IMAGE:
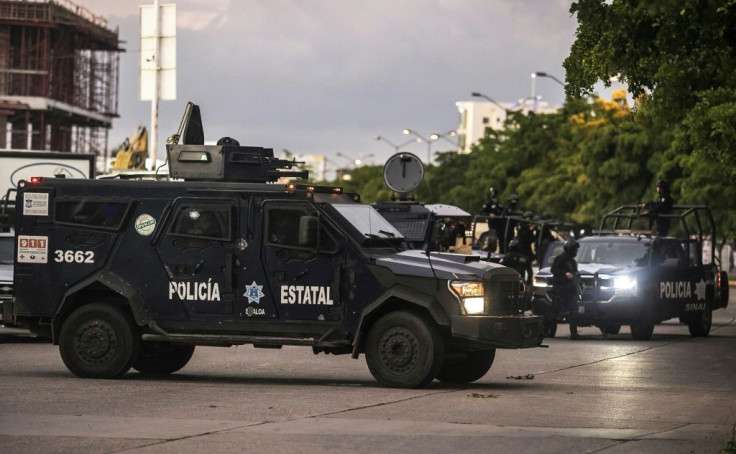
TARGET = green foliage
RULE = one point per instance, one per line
(678, 58)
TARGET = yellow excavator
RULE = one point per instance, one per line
(132, 153)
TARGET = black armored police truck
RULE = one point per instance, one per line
(135, 273)
(631, 275)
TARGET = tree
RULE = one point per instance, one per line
(678, 58)
(679, 53)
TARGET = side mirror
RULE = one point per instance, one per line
(309, 232)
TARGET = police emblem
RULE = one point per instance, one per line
(254, 292)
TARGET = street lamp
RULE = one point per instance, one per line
(481, 95)
(394, 146)
(421, 138)
(544, 74)
(534, 84)
(355, 162)
(436, 136)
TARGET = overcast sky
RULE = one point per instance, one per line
(327, 76)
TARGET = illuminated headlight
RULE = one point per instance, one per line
(620, 284)
(624, 283)
(471, 295)
(540, 282)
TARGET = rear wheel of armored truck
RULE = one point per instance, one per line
(699, 324)
(467, 366)
(642, 330)
(99, 341)
(404, 350)
(162, 358)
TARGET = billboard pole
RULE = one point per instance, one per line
(154, 94)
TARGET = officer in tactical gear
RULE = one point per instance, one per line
(565, 281)
(663, 205)
(519, 261)
(493, 210)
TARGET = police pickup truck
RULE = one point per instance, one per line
(125, 273)
(631, 276)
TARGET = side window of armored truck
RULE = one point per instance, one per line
(296, 226)
(101, 214)
(205, 221)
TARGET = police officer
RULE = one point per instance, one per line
(519, 261)
(513, 206)
(565, 283)
(511, 209)
(493, 209)
(663, 205)
(527, 235)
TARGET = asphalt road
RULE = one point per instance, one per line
(673, 394)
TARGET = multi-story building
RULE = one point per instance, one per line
(58, 77)
(476, 116)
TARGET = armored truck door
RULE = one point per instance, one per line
(681, 284)
(197, 250)
(302, 262)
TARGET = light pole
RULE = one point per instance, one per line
(544, 74)
(355, 162)
(436, 136)
(534, 84)
(481, 95)
(419, 139)
(393, 145)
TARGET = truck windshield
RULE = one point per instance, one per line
(614, 253)
(367, 220)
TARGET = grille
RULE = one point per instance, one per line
(504, 295)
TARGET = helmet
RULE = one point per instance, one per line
(227, 141)
(571, 247)
(663, 185)
(528, 215)
(513, 244)
(513, 198)
(494, 193)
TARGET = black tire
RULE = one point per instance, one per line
(549, 327)
(642, 331)
(162, 358)
(99, 341)
(699, 325)
(724, 289)
(404, 350)
(468, 367)
(611, 328)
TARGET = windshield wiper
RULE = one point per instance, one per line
(388, 234)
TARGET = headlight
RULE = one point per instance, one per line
(471, 296)
(540, 282)
(624, 283)
(620, 284)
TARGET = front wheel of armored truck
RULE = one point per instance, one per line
(99, 341)
(162, 358)
(404, 350)
(467, 367)
(699, 324)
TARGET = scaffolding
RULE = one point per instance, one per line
(59, 74)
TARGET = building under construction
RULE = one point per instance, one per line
(58, 77)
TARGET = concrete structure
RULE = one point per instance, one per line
(476, 116)
(58, 77)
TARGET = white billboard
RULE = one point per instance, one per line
(163, 64)
(22, 165)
